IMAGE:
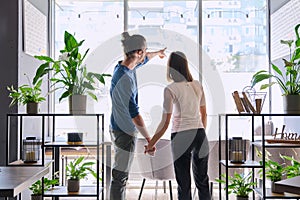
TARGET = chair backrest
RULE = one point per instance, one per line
(159, 166)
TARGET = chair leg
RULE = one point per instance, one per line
(194, 195)
(211, 189)
(164, 185)
(171, 194)
(140, 195)
(156, 186)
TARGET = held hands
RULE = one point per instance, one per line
(149, 148)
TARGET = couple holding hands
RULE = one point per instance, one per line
(184, 104)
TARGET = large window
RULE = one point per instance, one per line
(233, 42)
(234, 39)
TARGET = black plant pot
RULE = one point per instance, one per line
(241, 198)
(36, 197)
(32, 108)
(73, 185)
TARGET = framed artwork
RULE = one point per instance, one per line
(35, 29)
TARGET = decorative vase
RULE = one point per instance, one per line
(241, 198)
(291, 104)
(73, 185)
(36, 197)
(32, 108)
(77, 104)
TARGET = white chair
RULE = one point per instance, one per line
(157, 167)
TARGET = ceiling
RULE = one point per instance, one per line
(276, 4)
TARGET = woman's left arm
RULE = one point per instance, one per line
(160, 53)
(203, 115)
(161, 129)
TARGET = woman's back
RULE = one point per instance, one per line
(186, 98)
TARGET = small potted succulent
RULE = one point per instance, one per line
(76, 170)
(273, 170)
(239, 184)
(27, 94)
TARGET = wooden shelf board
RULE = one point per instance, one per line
(271, 195)
(65, 144)
(21, 163)
(248, 163)
(83, 191)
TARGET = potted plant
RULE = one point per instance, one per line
(287, 78)
(77, 170)
(27, 94)
(71, 75)
(293, 169)
(38, 189)
(239, 184)
(273, 170)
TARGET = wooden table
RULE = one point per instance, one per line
(291, 185)
(15, 179)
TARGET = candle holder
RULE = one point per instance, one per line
(31, 149)
(237, 150)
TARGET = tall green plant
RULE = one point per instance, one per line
(289, 77)
(69, 72)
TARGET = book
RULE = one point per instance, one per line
(251, 107)
(238, 102)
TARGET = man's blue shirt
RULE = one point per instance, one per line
(124, 97)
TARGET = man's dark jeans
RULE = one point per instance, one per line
(191, 146)
(124, 145)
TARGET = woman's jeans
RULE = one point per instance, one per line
(188, 147)
(124, 145)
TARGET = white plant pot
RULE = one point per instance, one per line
(77, 104)
(291, 104)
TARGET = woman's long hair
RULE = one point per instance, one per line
(178, 69)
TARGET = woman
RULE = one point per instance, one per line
(125, 118)
(185, 100)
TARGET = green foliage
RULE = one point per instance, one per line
(288, 78)
(293, 169)
(273, 169)
(69, 71)
(78, 169)
(26, 93)
(238, 184)
(37, 188)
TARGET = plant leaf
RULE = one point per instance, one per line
(41, 71)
